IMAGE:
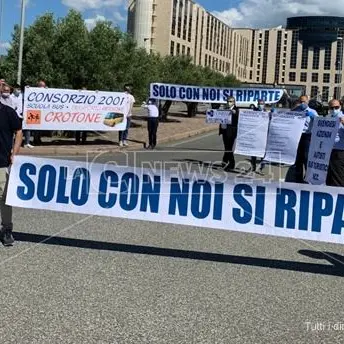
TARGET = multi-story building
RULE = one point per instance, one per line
(307, 53)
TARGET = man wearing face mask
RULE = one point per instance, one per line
(300, 165)
(335, 173)
(229, 133)
(6, 98)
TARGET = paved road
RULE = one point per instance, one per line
(101, 280)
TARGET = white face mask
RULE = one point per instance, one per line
(16, 93)
(335, 112)
(5, 95)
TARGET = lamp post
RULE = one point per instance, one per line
(21, 44)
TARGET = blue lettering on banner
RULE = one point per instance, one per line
(182, 93)
(285, 204)
(304, 210)
(150, 194)
(46, 183)
(338, 222)
(156, 91)
(238, 96)
(106, 199)
(26, 192)
(201, 199)
(62, 198)
(322, 206)
(179, 197)
(129, 191)
(243, 215)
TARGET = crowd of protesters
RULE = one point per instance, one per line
(297, 172)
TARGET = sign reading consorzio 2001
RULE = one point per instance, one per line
(60, 109)
(205, 94)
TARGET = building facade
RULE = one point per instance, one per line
(307, 54)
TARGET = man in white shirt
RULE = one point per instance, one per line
(6, 98)
(123, 135)
(152, 121)
(335, 173)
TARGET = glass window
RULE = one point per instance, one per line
(314, 91)
(172, 48)
(326, 77)
(316, 57)
(327, 60)
(325, 94)
(292, 76)
(315, 77)
(293, 52)
(338, 79)
(304, 58)
(303, 77)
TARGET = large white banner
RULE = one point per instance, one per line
(284, 135)
(204, 94)
(252, 133)
(59, 109)
(324, 133)
(286, 210)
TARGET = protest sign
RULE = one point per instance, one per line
(288, 210)
(252, 133)
(214, 95)
(59, 109)
(284, 135)
(219, 117)
(324, 133)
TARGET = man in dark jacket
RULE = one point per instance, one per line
(229, 134)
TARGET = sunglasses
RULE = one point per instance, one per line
(334, 107)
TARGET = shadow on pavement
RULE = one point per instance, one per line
(336, 269)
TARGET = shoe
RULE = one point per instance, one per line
(6, 237)
(125, 143)
(29, 146)
(121, 143)
(149, 147)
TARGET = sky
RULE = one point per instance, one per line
(236, 13)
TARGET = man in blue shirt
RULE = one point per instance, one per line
(305, 141)
(335, 173)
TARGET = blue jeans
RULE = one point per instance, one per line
(27, 135)
(123, 135)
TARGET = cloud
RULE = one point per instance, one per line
(272, 13)
(119, 17)
(5, 45)
(91, 22)
(82, 5)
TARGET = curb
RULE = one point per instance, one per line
(82, 150)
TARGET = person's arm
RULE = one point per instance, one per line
(17, 143)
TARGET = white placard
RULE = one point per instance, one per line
(284, 135)
(324, 133)
(252, 133)
(60, 109)
(219, 116)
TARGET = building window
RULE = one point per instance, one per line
(292, 76)
(315, 77)
(180, 15)
(189, 52)
(325, 94)
(314, 91)
(337, 92)
(172, 48)
(265, 56)
(327, 60)
(304, 58)
(326, 78)
(185, 24)
(251, 75)
(183, 49)
(257, 79)
(303, 77)
(338, 79)
(190, 21)
(174, 16)
(293, 52)
(316, 57)
(178, 49)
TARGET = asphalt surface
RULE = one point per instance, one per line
(86, 279)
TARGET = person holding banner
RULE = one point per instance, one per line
(37, 134)
(300, 166)
(123, 135)
(10, 124)
(229, 133)
(335, 173)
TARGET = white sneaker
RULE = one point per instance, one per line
(29, 146)
(121, 143)
(125, 143)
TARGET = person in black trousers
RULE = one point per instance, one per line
(229, 133)
(152, 121)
